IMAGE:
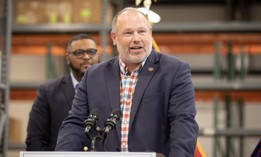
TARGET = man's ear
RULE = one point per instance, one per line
(113, 37)
(67, 58)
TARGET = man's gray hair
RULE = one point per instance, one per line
(114, 21)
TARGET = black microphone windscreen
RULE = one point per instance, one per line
(95, 111)
(117, 112)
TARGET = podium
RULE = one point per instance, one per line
(85, 154)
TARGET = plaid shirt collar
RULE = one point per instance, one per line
(123, 67)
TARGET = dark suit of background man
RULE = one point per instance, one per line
(153, 90)
(55, 97)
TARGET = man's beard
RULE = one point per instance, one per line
(76, 71)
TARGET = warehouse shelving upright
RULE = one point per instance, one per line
(5, 43)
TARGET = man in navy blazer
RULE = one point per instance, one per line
(54, 98)
(153, 90)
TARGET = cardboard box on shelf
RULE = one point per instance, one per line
(60, 11)
(29, 12)
(65, 11)
(51, 11)
(86, 11)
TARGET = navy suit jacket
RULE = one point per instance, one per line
(49, 109)
(162, 112)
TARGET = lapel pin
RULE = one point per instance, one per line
(150, 69)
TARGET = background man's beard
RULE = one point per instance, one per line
(76, 71)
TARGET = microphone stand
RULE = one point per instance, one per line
(89, 136)
(93, 143)
(100, 137)
(102, 133)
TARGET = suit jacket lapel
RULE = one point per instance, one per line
(145, 76)
(112, 75)
(68, 90)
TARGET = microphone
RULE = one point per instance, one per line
(91, 121)
(112, 120)
(110, 124)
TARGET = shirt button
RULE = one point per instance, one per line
(125, 122)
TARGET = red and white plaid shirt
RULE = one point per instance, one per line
(128, 83)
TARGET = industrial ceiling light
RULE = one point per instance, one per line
(152, 16)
